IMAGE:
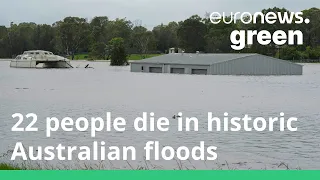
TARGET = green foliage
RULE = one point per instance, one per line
(118, 53)
(312, 30)
(99, 50)
(129, 57)
(271, 49)
(80, 57)
(191, 34)
(293, 53)
(289, 53)
(8, 167)
(166, 36)
(142, 39)
(313, 53)
(218, 37)
(140, 57)
(98, 27)
(76, 35)
(72, 33)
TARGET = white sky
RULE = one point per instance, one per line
(150, 12)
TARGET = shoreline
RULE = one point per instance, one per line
(79, 60)
(84, 60)
(146, 166)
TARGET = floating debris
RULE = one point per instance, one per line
(176, 116)
(88, 67)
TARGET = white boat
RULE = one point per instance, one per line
(40, 59)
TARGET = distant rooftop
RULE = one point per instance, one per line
(195, 59)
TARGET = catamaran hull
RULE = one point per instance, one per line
(39, 64)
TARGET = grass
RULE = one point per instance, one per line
(131, 57)
(79, 57)
(8, 167)
(145, 166)
(103, 165)
(140, 57)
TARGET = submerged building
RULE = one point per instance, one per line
(217, 64)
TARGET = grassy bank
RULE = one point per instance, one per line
(145, 166)
(6, 164)
(131, 57)
(140, 57)
(8, 167)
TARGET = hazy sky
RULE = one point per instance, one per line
(150, 12)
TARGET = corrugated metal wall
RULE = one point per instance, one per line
(144, 67)
(167, 68)
(250, 65)
(256, 65)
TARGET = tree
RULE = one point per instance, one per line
(289, 53)
(98, 27)
(99, 50)
(99, 37)
(119, 28)
(166, 36)
(218, 37)
(76, 35)
(4, 43)
(270, 49)
(311, 30)
(44, 37)
(142, 39)
(117, 52)
(313, 53)
(19, 38)
(72, 32)
(191, 34)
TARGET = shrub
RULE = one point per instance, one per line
(118, 52)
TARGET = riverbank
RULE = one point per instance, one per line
(134, 60)
(8, 167)
(80, 60)
(146, 166)
(130, 57)
(86, 57)
(85, 60)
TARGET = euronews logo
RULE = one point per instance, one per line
(242, 38)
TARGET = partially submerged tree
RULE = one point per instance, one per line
(118, 52)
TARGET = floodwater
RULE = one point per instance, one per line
(90, 93)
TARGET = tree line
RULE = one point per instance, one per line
(74, 35)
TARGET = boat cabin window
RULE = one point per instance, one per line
(31, 53)
(51, 53)
(37, 53)
(46, 53)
